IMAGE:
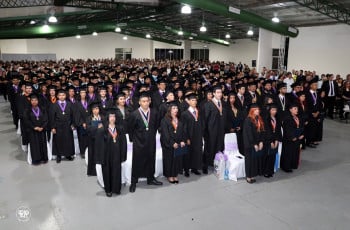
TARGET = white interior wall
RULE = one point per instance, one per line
(15, 46)
(324, 49)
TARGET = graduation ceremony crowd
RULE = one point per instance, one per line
(191, 104)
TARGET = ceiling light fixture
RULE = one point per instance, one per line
(125, 38)
(94, 33)
(78, 36)
(275, 19)
(186, 9)
(180, 32)
(191, 38)
(32, 22)
(250, 32)
(148, 36)
(227, 36)
(52, 19)
(118, 30)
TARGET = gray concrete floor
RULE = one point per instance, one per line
(317, 196)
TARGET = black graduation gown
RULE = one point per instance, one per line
(194, 131)
(63, 142)
(291, 149)
(80, 116)
(157, 99)
(113, 155)
(37, 140)
(250, 138)
(23, 103)
(122, 119)
(271, 135)
(314, 126)
(12, 97)
(144, 144)
(233, 122)
(214, 134)
(283, 109)
(96, 139)
(105, 105)
(171, 165)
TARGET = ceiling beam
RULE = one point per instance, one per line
(328, 8)
(21, 3)
(68, 30)
(241, 15)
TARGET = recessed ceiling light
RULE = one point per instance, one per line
(94, 33)
(125, 38)
(78, 36)
(227, 36)
(32, 22)
(117, 29)
(148, 36)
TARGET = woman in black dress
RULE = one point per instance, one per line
(36, 120)
(273, 136)
(114, 154)
(123, 111)
(172, 136)
(292, 135)
(253, 131)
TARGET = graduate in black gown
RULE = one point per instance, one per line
(214, 134)
(113, 154)
(143, 125)
(23, 103)
(172, 136)
(95, 130)
(36, 120)
(163, 108)
(273, 136)
(234, 121)
(13, 90)
(292, 135)
(193, 122)
(62, 125)
(104, 102)
(122, 111)
(253, 132)
(81, 116)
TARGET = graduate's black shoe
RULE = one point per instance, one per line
(70, 158)
(205, 171)
(311, 146)
(132, 188)
(249, 181)
(109, 194)
(82, 156)
(267, 176)
(187, 174)
(43, 162)
(288, 170)
(154, 182)
(176, 181)
(195, 172)
(58, 159)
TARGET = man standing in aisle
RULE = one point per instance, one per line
(331, 90)
(214, 122)
(143, 125)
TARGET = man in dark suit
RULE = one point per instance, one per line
(331, 90)
(13, 91)
(282, 102)
(241, 103)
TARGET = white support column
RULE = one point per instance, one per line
(264, 50)
(187, 49)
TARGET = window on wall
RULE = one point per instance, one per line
(170, 54)
(275, 57)
(200, 54)
(123, 53)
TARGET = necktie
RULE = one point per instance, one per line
(194, 113)
(332, 88)
(219, 105)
